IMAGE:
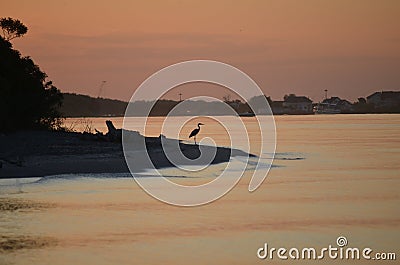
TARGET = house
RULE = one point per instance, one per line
(385, 100)
(336, 103)
(277, 107)
(293, 104)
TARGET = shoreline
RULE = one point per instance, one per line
(275, 114)
(28, 154)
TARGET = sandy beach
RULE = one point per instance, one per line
(41, 153)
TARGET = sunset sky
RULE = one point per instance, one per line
(351, 48)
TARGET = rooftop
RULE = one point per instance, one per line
(296, 99)
(386, 94)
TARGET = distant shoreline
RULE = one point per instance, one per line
(76, 105)
(327, 114)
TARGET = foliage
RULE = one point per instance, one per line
(362, 106)
(27, 99)
(79, 125)
(12, 28)
(75, 105)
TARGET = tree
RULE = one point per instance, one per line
(260, 100)
(12, 28)
(27, 99)
(362, 101)
(226, 98)
(361, 106)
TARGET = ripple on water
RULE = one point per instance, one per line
(15, 204)
(10, 243)
(14, 242)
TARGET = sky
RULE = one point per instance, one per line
(350, 47)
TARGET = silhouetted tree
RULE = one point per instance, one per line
(226, 98)
(27, 100)
(361, 106)
(260, 100)
(362, 101)
(12, 28)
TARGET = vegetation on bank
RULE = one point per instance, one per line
(27, 99)
(75, 105)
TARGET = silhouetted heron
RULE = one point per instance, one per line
(195, 132)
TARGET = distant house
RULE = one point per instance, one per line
(277, 107)
(338, 104)
(385, 100)
(293, 104)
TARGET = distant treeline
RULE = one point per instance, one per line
(75, 105)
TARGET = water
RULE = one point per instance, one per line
(332, 175)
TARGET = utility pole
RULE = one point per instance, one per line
(326, 93)
(101, 88)
(180, 97)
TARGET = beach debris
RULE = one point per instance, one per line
(113, 134)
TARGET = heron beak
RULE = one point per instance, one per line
(201, 124)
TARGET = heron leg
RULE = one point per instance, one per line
(195, 140)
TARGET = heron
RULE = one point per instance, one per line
(195, 132)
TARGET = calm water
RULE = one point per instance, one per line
(333, 175)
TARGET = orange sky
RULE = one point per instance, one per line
(349, 47)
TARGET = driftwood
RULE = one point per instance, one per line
(113, 134)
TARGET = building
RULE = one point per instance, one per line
(277, 107)
(293, 104)
(334, 105)
(385, 100)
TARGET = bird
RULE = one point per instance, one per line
(195, 132)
